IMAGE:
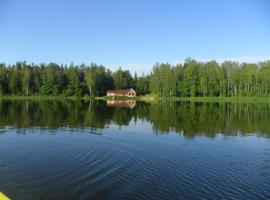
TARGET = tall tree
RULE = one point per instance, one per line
(122, 79)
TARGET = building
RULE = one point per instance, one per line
(116, 93)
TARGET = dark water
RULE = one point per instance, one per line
(71, 150)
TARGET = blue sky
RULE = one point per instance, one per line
(133, 34)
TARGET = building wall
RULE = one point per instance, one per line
(127, 94)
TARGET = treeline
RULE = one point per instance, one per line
(211, 79)
(52, 79)
(189, 79)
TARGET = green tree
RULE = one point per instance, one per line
(122, 79)
(190, 81)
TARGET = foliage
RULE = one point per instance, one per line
(210, 79)
(190, 79)
(122, 79)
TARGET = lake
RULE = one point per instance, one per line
(133, 150)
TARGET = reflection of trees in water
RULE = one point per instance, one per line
(188, 118)
(54, 114)
(210, 118)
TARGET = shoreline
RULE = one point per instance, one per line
(237, 99)
(150, 98)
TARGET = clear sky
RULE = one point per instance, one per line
(133, 33)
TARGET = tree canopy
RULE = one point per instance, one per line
(190, 79)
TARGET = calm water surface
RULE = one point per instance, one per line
(128, 150)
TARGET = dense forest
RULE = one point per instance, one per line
(190, 79)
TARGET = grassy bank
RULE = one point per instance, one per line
(147, 98)
(40, 98)
(237, 99)
(65, 98)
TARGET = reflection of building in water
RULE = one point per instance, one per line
(122, 103)
(127, 93)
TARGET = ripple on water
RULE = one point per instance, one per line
(81, 166)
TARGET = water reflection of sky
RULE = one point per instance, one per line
(73, 161)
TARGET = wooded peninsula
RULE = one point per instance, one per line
(189, 79)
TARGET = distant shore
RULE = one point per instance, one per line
(234, 99)
(37, 97)
(148, 98)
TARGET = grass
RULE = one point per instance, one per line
(148, 98)
(61, 97)
(40, 97)
(236, 99)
